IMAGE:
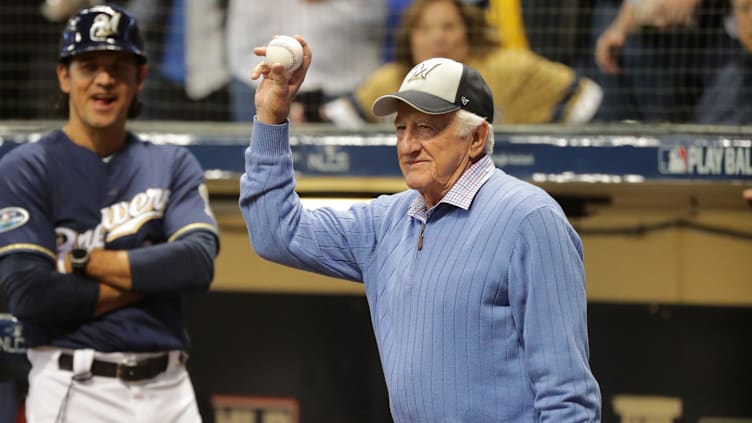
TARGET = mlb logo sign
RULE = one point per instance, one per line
(705, 160)
(673, 160)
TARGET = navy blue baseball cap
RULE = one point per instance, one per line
(101, 28)
(437, 86)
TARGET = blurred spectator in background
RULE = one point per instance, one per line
(347, 35)
(395, 8)
(728, 98)
(185, 42)
(655, 56)
(526, 87)
(554, 28)
(188, 78)
(28, 46)
(505, 15)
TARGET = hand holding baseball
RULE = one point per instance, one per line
(281, 81)
(285, 50)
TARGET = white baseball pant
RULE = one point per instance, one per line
(55, 396)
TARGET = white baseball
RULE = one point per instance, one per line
(285, 50)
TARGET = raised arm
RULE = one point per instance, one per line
(280, 229)
(278, 87)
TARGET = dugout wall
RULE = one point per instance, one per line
(667, 239)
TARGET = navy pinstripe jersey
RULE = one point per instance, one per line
(55, 195)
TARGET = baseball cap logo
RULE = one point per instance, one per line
(421, 72)
(464, 100)
(104, 26)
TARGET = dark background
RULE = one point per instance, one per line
(320, 350)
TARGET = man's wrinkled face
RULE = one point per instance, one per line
(432, 156)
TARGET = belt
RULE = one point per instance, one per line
(126, 371)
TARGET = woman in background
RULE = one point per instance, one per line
(527, 88)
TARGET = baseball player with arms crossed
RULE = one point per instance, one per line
(100, 234)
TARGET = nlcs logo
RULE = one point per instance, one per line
(12, 218)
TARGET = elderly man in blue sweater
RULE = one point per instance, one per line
(474, 278)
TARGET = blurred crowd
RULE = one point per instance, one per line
(564, 61)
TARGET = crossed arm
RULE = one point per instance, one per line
(36, 291)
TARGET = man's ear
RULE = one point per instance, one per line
(63, 78)
(478, 143)
(143, 70)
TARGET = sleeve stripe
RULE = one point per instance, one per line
(24, 246)
(191, 227)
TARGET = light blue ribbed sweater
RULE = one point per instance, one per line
(486, 323)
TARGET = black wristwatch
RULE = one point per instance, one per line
(79, 258)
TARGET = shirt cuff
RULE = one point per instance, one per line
(270, 139)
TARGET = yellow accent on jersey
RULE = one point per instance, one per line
(191, 227)
(25, 246)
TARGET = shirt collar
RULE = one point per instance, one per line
(462, 192)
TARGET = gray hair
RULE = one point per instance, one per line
(467, 122)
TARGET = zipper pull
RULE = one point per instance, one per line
(420, 236)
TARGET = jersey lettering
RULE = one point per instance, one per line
(118, 220)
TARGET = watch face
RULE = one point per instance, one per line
(78, 254)
(78, 259)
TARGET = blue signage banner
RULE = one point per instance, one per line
(540, 158)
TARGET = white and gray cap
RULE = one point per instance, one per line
(437, 86)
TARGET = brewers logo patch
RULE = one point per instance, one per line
(104, 26)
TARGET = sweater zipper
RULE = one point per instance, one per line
(420, 236)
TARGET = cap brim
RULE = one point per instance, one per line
(426, 103)
(102, 47)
